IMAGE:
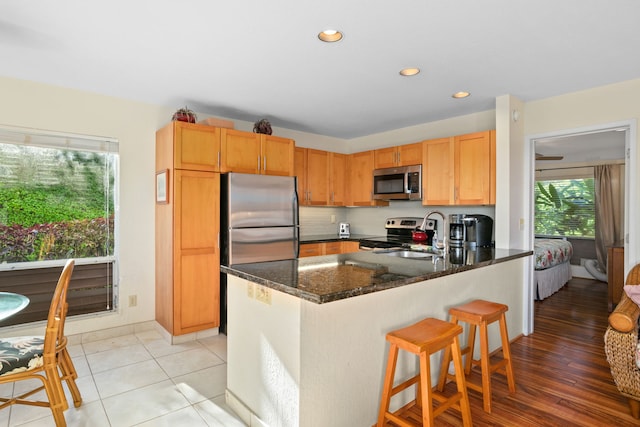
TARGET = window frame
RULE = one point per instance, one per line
(76, 142)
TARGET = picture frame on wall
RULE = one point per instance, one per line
(162, 186)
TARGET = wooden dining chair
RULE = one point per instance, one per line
(40, 357)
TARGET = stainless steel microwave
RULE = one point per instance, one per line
(401, 183)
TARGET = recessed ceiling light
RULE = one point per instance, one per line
(409, 71)
(459, 95)
(330, 36)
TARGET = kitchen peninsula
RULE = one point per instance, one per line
(306, 337)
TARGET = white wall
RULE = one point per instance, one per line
(134, 124)
(588, 109)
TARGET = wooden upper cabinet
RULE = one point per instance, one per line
(492, 184)
(337, 179)
(402, 155)
(321, 177)
(437, 172)
(460, 170)
(247, 152)
(385, 157)
(361, 166)
(472, 170)
(277, 155)
(189, 146)
(300, 171)
(317, 177)
(240, 151)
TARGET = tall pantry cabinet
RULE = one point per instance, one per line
(187, 228)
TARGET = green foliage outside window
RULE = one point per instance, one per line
(565, 207)
(55, 204)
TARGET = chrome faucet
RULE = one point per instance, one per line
(443, 239)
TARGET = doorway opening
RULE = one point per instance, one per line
(569, 153)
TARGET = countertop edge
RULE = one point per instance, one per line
(321, 299)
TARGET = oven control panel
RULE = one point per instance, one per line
(409, 223)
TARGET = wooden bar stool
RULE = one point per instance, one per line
(423, 339)
(480, 313)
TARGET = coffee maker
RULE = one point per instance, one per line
(478, 230)
(456, 230)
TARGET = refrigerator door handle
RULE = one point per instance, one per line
(296, 207)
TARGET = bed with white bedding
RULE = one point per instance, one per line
(552, 267)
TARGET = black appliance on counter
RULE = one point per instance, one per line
(398, 233)
(456, 230)
(479, 230)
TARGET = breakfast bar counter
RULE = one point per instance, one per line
(306, 338)
(329, 278)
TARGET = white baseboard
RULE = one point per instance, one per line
(242, 411)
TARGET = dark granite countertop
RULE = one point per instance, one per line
(329, 278)
(321, 238)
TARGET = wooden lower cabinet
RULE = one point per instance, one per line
(187, 253)
(328, 248)
(311, 249)
(615, 274)
(350, 246)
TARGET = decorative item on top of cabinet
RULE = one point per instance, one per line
(402, 155)
(247, 152)
(459, 170)
(184, 115)
(187, 256)
(262, 126)
(361, 166)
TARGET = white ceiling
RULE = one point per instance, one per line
(254, 59)
(588, 148)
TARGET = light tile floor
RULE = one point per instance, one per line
(140, 380)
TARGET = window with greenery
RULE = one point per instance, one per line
(565, 207)
(57, 200)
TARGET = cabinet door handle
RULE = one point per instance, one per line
(264, 163)
(398, 158)
(309, 195)
(258, 163)
(218, 159)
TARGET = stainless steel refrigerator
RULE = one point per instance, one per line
(258, 222)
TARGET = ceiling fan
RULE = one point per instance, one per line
(543, 157)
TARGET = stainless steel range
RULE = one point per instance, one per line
(399, 233)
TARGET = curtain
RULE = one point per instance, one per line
(608, 199)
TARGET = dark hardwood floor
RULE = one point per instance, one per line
(562, 375)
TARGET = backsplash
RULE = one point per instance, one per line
(317, 221)
(370, 220)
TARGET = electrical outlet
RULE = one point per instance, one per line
(250, 290)
(333, 219)
(263, 294)
(133, 300)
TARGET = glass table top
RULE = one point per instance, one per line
(11, 303)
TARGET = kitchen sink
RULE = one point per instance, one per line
(406, 254)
